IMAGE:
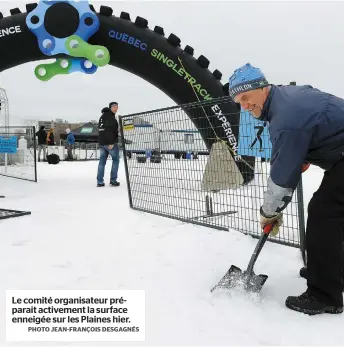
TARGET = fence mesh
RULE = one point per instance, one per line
(82, 151)
(17, 152)
(171, 172)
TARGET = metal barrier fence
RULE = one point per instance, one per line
(82, 151)
(170, 171)
(17, 154)
(86, 151)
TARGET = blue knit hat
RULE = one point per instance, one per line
(246, 78)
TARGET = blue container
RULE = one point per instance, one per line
(148, 153)
(188, 155)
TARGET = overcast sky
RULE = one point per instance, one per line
(289, 41)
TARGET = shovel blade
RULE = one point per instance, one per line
(229, 279)
(236, 277)
(254, 283)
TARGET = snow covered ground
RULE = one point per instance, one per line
(83, 237)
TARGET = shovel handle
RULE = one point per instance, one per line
(259, 246)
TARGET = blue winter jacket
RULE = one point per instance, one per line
(70, 139)
(305, 125)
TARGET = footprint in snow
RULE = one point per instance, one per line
(68, 264)
(20, 243)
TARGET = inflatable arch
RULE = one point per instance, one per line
(83, 39)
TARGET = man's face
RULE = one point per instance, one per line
(114, 108)
(252, 101)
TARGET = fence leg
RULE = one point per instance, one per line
(35, 151)
(211, 206)
(125, 162)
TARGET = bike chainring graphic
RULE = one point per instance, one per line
(63, 27)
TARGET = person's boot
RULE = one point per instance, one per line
(114, 184)
(308, 304)
(101, 185)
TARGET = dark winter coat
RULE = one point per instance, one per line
(305, 125)
(42, 136)
(108, 128)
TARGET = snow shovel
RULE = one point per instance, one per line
(248, 279)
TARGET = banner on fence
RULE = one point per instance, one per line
(8, 144)
(254, 138)
(128, 124)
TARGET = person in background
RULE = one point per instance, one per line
(108, 144)
(306, 126)
(70, 144)
(51, 137)
(42, 143)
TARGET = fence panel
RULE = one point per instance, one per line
(170, 171)
(17, 153)
(85, 151)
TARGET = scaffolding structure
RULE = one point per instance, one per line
(4, 112)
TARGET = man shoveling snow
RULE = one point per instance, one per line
(306, 127)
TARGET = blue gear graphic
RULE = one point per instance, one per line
(51, 45)
(79, 65)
